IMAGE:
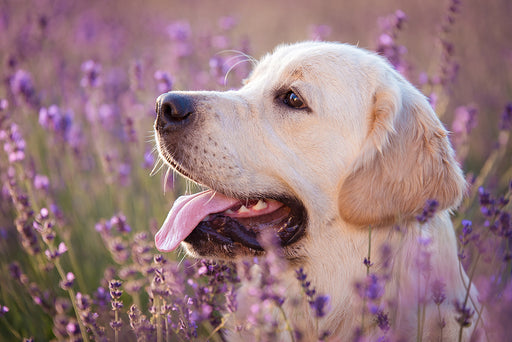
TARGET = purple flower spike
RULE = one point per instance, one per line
(428, 211)
(22, 85)
(4, 104)
(438, 292)
(506, 118)
(41, 182)
(320, 32)
(67, 283)
(3, 310)
(92, 71)
(319, 305)
(227, 23)
(164, 81)
(465, 314)
(382, 320)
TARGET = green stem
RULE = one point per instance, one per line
(468, 290)
(116, 334)
(72, 296)
(419, 334)
(288, 325)
(213, 336)
(441, 325)
(369, 250)
(159, 337)
(368, 265)
(167, 336)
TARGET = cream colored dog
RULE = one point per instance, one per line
(324, 143)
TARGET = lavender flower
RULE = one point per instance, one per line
(506, 118)
(309, 291)
(149, 159)
(464, 314)
(67, 283)
(497, 219)
(319, 305)
(119, 222)
(136, 82)
(382, 320)
(319, 32)
(117, 304)
(227, 23)
(164, 81)
(22, 86)
(367, 262)
(387, 46)
(91, 74)
(54, 254)
(448, 66)
(101, 297)
(465, 120)
(372, 288)
(465, 237)
(428, 211)
(41, 182)
(62, 125)
(438, 292)
(14, 144)
(3, 310)
(4, 104)
(142, 327)
(179, 31)
(73, 328)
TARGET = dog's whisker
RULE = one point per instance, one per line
(166, 178)
(239, 53)
(151, 136)
(212, 196)
(228, 61)
(231, 68)
(159, 164)
(184, 256)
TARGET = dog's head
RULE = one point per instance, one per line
(320, 132)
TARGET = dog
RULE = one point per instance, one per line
(329, 148)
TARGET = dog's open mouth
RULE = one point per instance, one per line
(210, 217)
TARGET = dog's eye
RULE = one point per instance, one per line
(293, 100)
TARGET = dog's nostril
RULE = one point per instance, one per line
(173, 108)
(168, 113)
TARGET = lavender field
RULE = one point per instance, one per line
(83, 193)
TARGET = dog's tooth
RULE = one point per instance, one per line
(260, 205)
(229, 211)
(243, 209)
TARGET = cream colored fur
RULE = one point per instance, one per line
(370, 151)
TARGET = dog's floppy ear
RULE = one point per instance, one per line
(406, 160)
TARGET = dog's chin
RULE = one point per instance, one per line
(227, 237)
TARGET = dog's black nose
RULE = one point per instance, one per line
(173, 109)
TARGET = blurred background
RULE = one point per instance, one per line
(79, 83)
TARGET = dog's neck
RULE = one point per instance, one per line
(405, 261)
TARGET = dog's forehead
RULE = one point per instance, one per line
(316, 59)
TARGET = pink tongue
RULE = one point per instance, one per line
(185, 215)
